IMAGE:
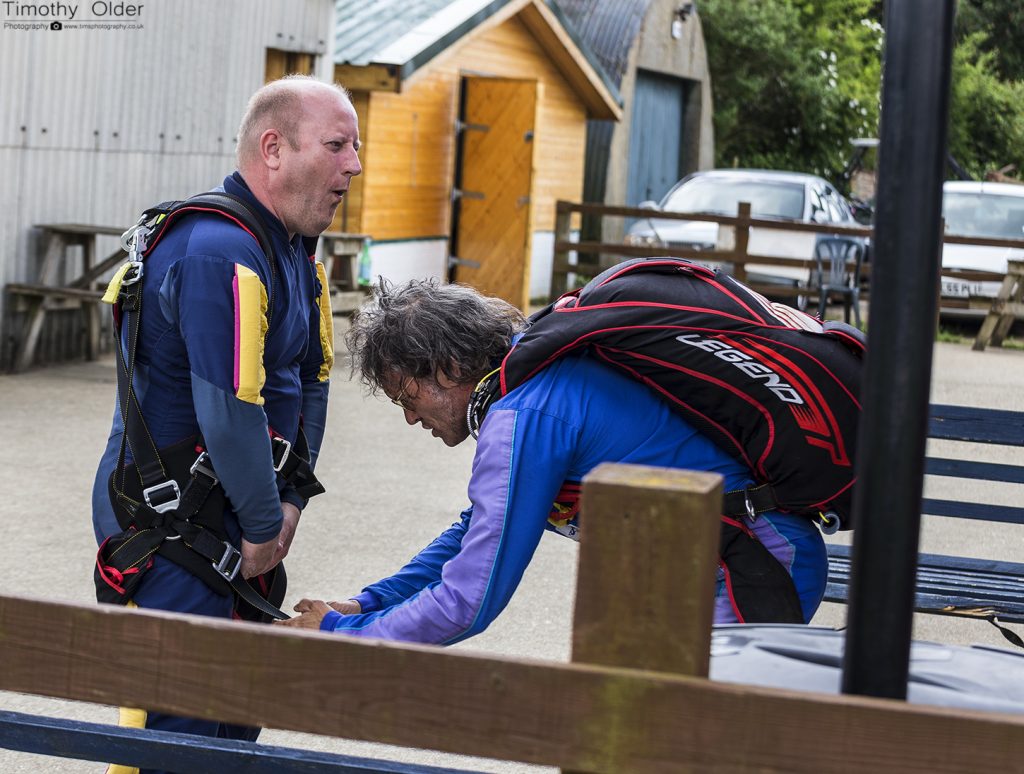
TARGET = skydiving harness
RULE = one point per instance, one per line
(778, 397)
(174, 504)
(739, 503)
(775, 395)
(759, 588)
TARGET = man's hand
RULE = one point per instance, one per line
(312, 614)
(288, 526)
(257, 558)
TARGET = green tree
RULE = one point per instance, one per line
(986, 122)
(1001, 23)
(794, 81)
(792, 84)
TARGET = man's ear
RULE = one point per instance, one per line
(444, 382)
(270, 148)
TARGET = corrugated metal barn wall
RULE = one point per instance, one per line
(97, 124)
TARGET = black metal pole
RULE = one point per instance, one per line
(904, 300)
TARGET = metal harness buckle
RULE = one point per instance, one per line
(277, 442)
(166, 505)
(204, 466)
(133, 274)
(229, 564)
(751, 513)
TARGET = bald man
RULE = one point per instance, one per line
(234, 352)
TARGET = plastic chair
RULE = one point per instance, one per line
(838, 274)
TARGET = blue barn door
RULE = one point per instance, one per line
(657, 135)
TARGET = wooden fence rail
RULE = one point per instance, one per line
(643, 600)
(739, 256)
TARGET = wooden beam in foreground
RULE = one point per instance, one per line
(582, 717)
(646, 580)
(645, 584)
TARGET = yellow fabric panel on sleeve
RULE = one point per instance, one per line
(250, 335)
(326, 324)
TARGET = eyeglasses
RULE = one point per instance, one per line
(400, 399)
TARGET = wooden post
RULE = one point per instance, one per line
(35, 315)
(560, 265)
(742, 242)
(1006, 307)
(90, 311)
(646, 578)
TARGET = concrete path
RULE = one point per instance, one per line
(391, 490)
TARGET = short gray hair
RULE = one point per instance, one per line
(423, 327)
(278, 105)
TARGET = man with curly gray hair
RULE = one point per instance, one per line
(426, 340)
(436, 352)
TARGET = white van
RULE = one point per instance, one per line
(978, 209)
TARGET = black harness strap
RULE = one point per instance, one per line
(293, 464)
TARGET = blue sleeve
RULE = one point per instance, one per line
(237, 440)
(201, 294)
(522, 458)
(315, 372)
(319, 359)
(314, 423)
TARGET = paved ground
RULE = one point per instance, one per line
(391, 491)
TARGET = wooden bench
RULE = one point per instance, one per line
(37, 301)
(954, 585)
(52, 289)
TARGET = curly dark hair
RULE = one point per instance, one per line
(423, 328)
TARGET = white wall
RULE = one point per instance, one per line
(403, 260)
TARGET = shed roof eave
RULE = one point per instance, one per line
(581, 69)
(574, 59)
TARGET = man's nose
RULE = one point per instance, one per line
(352, 165)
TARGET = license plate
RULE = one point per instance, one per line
(955, 288)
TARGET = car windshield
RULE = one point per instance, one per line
(984, 215)
(767, 200)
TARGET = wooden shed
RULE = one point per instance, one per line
(653, 52)
(473, 118)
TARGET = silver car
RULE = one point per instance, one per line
(978, 209)
(784, 196)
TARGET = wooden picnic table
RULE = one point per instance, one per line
(52, 289)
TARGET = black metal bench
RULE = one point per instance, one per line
(954, 585)
(182, 752)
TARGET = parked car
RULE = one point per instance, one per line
(978, 209)
(784, 196)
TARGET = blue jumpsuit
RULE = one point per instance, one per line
(535, 446)
(208, 362)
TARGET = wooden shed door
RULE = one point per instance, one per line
(491, 239)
